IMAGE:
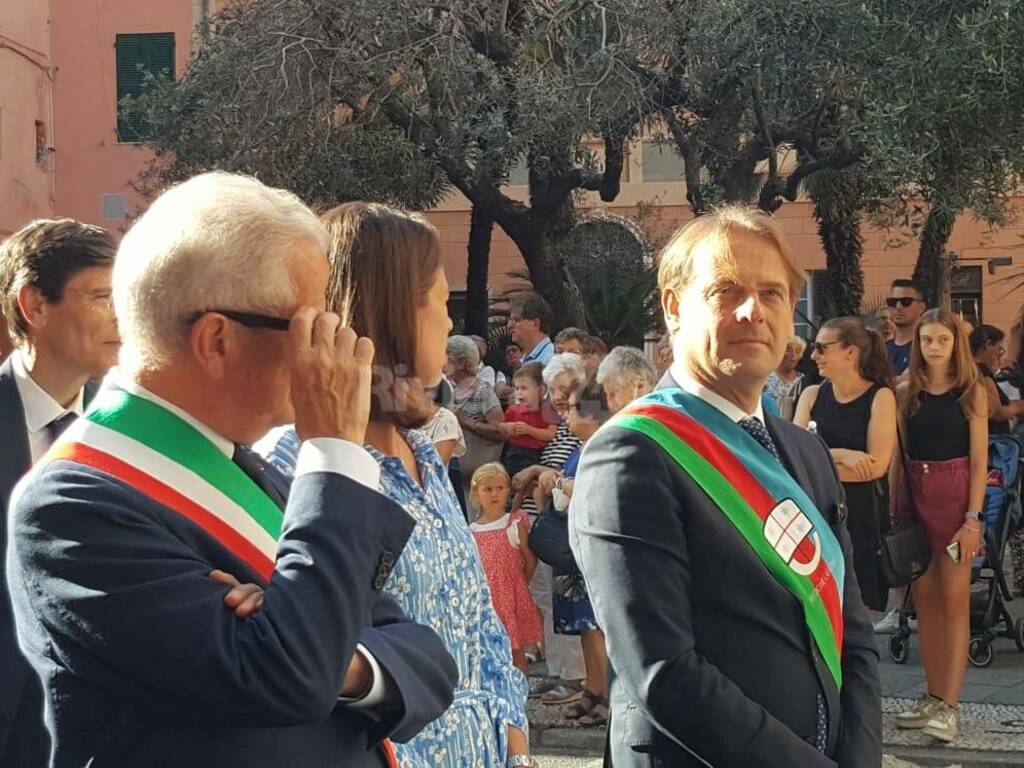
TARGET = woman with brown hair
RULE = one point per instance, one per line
(944, 414)
(854, 411)
(388, 284)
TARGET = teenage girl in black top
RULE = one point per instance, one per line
(854, 411)
(944, 412)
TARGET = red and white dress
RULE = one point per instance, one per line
(502, 559)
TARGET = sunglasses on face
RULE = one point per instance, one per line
(248, 319)
(904, 301)
(820, 346)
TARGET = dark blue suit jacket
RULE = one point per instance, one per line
(23, 738)
(144, 666)
(713, 663)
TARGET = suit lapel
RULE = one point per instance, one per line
(15, 455)
(790, 456)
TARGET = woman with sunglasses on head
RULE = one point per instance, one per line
(941, 481)
(387, 282)
(854, 411)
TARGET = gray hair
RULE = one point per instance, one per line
(565, 364)
(218, 240)
(572, 332)
(797, 341)
(627, 365)
(464, 352)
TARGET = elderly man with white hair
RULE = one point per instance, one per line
(124, 535)
(624, 375)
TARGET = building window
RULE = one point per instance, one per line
(966, 287)
(114, 207)
(139, 56)
(803, 313)
(519, 176)
(457, 309)
(660, 162)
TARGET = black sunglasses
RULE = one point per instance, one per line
(821, 346)
(248, 319)
(904, 301)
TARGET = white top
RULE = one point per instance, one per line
(690, 385)
(488, 374)
(497, 525)
(444, 425)
(40, 408)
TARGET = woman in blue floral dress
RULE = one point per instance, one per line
(388, 284)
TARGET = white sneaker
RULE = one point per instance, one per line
(944, 724)
(921, 713)
(889, 623)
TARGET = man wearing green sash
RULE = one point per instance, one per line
(713, 542)
(121, 535)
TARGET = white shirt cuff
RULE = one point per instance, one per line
(332, 454)
(376, 693)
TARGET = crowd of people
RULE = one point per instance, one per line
(296, 520)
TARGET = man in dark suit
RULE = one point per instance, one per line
(116, 533)
(55, 290)
(719, 658)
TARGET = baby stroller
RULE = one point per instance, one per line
(989, 592)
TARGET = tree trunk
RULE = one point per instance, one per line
(481, 224)
(934, 238)
(553, 282)
(838, 215)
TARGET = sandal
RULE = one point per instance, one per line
(565, 693)
(596, 718)
(584, 706)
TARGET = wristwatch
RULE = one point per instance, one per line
(523, 761)
(976, 516)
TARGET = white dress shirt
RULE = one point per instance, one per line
(322, 454)
(690, 385)
(40, 409)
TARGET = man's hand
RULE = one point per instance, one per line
(331, 376)
(243, 599)
(358, 679)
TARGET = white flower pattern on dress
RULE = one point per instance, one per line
(439, 581)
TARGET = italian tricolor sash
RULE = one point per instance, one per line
(768, 508)
(162, 456)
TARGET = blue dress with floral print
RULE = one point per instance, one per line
(439, 581)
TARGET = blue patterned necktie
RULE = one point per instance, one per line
(754, 427)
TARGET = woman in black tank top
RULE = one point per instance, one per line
(941, 481)
(854, 411)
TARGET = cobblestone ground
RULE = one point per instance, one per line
(572, 761)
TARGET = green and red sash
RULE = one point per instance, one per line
(768, 508)
(162, 456)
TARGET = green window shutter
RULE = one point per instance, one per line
(136, 56)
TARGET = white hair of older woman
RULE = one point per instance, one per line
(464, 353)
(216, 241)
(627, 366)
(565, 364)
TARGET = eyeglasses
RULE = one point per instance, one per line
(903, 301)
(248, 319)
(820, 346)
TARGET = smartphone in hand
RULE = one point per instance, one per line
(953, 550)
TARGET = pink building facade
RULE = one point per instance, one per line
(61, 153)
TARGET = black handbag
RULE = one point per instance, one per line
(906, 553)
(549, 539)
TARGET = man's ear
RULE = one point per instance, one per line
(33, 306)
(212, 339)
(670, 309)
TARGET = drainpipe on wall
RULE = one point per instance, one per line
(201, 21)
